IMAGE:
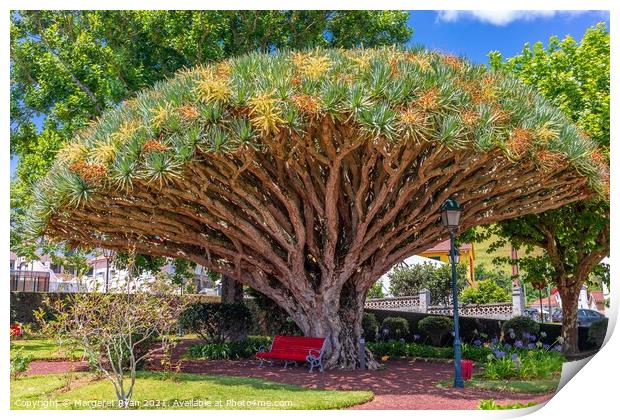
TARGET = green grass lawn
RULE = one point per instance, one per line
(484, 257)
(534, 386)
(48, 349)
(185, 391)
(43, 349)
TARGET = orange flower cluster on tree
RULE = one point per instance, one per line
(154, 146)
(520, 141)
(90, 172)
(307, 104)
(188, 112)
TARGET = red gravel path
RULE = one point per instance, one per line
(44, 367)
(403, 384)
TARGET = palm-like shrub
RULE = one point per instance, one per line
(307, 175)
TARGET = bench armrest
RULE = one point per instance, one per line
(315, 353)
(261, 348)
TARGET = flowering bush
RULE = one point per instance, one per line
(398, 349)
(16, 330)
(510, 362)
(520, 328)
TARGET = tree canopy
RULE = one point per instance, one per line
(67, 67)
(307, 175)
(573, 239)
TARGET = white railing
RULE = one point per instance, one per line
(489, 310)
(421, 304)
(403, 302)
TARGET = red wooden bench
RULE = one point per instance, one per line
(294, 349)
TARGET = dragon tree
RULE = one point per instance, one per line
(308, 175)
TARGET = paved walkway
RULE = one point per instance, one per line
(402, 384)
(44, 367)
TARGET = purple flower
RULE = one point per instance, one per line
(515, 357)
(557, 347)
(531, 346)
(519, 344)
(477, 343)
(546, 346)
(499, 354)
(494, 340)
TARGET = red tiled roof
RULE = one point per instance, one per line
(598, 295)
(445, 247)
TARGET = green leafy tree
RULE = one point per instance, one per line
(485, 291)
(67, 67)
(498, 276)
(575, 238)
(409, 281)
(375, 291)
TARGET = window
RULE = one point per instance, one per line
(435, 258)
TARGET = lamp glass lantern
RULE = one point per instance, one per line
(451, 213)
(108, 253)
(455, 256)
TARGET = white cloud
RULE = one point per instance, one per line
(499, 17)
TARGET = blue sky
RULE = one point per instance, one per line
(473, 34)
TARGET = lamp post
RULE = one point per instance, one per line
(450, 218)
(107, 253)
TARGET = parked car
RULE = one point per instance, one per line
(534, 313)
(585, 317)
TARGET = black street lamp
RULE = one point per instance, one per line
(107, 253)
(450, 217)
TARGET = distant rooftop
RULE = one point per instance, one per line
(445, 247)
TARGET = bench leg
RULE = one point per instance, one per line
(262, 362)
(315, 362)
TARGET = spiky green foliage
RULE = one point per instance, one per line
(246, 101)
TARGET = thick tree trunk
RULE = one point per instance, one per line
(232, 290)
(337, 316)
(570, 302)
